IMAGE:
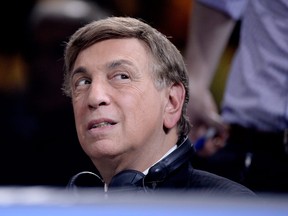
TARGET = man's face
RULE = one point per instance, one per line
(118, 110)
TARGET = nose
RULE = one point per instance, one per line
(98, 95)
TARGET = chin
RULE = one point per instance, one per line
(101, 149)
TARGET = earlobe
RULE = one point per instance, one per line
(174, 105)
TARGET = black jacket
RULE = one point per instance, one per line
(174, 172)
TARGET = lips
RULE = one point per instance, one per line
(100, 123)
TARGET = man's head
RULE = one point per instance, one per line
(129, 88)
(168, 66)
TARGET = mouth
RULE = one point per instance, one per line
(100, 124)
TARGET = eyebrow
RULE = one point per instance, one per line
(78, 70)
(117, 63)
(110, 65)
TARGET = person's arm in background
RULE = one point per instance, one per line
(209, 32)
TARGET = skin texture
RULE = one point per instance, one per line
(112, 82)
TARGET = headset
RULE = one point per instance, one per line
(135, 180)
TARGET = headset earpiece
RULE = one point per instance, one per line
(127, 178)
(167, 165)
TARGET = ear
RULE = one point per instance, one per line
(173, 108)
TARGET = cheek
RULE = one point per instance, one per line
(147, 107)
(76, 109)
(78, 113)
(134, 110)
(78, 104)
(80, 128)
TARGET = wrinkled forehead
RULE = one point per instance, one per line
(116, 53)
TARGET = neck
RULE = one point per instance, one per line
(138, 160)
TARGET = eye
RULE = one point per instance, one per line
(82, 82)
(121, 76)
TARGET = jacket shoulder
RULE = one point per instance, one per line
(203, 181)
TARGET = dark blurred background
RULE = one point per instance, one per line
(38, 141)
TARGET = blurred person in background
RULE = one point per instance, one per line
(248, 141)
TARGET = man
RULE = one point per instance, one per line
(254, 107)
(129, 90)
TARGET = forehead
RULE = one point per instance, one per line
(130, 48)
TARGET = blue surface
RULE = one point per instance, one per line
(138, 210)
(53, 203)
